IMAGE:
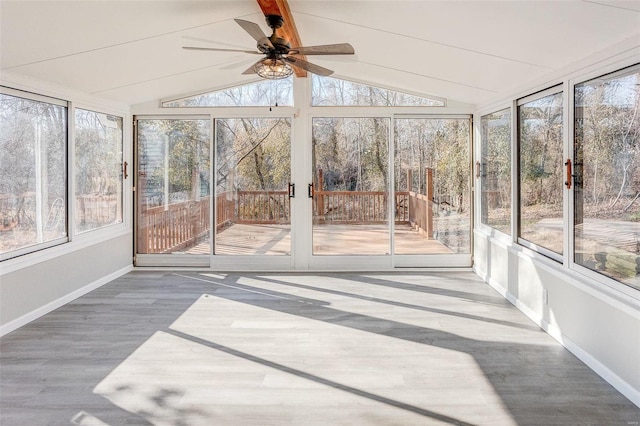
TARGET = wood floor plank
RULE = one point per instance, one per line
(197, 348)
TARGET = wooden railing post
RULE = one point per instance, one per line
(429, 194)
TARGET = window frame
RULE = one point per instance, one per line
(596, 284)
(23, 94)
(597, 280)
(74, 170)
(382, 87)
(516, 169)
(72, 242)
(478, 177)
(165, 108)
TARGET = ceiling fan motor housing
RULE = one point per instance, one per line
(280, 44)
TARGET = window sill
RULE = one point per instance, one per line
(78, 243)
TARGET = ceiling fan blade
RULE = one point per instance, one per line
(251, 69)
(325, 49)
(214, 49)
(256, 32)
(235, 64)
(313, 68)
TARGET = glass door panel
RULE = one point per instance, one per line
(350, 186)
(253, 171)
(173, 203)
(432, 196)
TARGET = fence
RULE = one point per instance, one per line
(165, 229)
(263, 207)
(174, 227)
(358, 207)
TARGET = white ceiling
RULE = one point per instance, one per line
(468, 51)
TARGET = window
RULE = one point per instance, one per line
(261, 93)
(431, 160)
(328, 91)
(540, 178)
(33, 179)
(174, 206)
(350, 186)
(98, 170)
(607, 175)
(253, 171)
(495, 169)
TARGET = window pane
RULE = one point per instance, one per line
(173, 186)
(261, 93)
(350, 182)
(432, 196)
(33, 168)
(495, 201)
(607, 183)
(253, 171)
(98, 170)
(329, 91)
(541, 167)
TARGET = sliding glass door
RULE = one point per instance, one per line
(253, 191)
(350, 186)
(433, 203)
(368, 202)
(172, 188)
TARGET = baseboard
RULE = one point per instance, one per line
(600, 369)
(37, 313)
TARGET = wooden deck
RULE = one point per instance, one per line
(247, 239)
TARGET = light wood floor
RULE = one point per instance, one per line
(275, 240)
(187, 348)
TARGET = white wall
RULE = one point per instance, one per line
(34, 284)
(599, 328)
(33, 291)
(594, 317)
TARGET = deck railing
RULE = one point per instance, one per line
(358, 207)
(177, 226)
(174, 227)
(262, 207)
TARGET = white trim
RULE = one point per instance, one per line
(46, 88)
(552, 90)
(193, 94)
(227, 112)
(33, 258)
(617, 295)
(169, 260)
(23, 94)
(61, 301)
(602, 370)
(430, 97)
(457, 260)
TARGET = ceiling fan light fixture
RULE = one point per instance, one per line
(273, 69)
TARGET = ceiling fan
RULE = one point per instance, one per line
(279, 55)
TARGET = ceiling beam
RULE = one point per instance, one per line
(288, 29)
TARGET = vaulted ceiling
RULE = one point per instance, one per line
(468, 51)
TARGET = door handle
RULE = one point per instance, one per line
(569, 174)
(292, 190)
(310, 190)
